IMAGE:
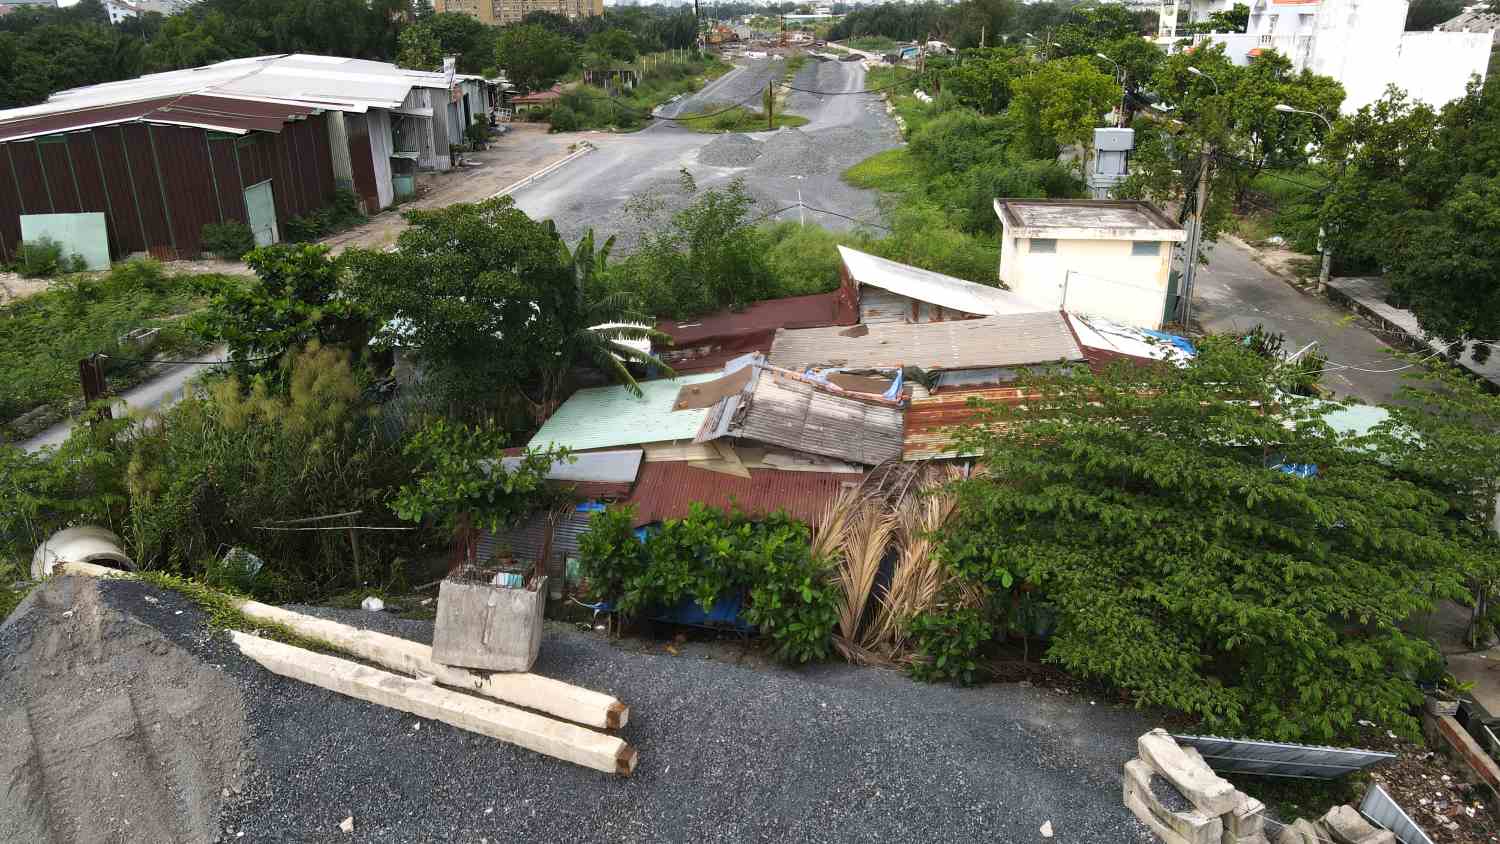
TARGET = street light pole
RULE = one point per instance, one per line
(1327, 267)
(1120, 70)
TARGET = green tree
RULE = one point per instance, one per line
(467, 37)
(533, 57)
(1147, 507)
(1059, 105)
(982, 80)
(194, 40)
(462, 479)
(614, 44)
(298, 298)
(419, 48)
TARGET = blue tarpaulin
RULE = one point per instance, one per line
(1182, 343)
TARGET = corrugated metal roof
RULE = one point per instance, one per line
(240, 90)
(935, 288)
(667, 490)
(594, 466)
(1116, 340)
(1280, 759)
(779, 408)
(609, 417)
(1012, 340)
(220, 113)
(931, 421)
(819, 309)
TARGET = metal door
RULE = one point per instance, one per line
(260, 206)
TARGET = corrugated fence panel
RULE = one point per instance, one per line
(87, 175)
(323, 181)
(187, 179)
(58, 171)
(254, 163)
(27, 163)
(1280, 759)
(274, 147)
(148, 190)
(357, 127)
(10, 208)
(109, 147)
(227, 176)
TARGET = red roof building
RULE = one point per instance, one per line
(708, 342)
(667, 490)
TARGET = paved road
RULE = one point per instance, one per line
(593, 192)
(167, 387)
(1235, 293)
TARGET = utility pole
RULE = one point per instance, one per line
(91, 377)
(1323, 246)
(1190, 273)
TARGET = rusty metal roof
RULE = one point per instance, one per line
(930, 421)
(819, 309)
(666, 491)
(218, 113)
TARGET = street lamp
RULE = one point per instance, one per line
(1196, 72)
(1120, 115)
(1327, 267)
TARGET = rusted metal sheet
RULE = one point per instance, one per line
(361, 162)
(88, 176)
(931, 421)
(231, 197)
(10, 208)
(192, 110)
(877, 306)
(187, 182)
(146, 186)
(127, 226)
(792, 413)
(57, 169)
(667, 490)
(819, 309)
(26, 163)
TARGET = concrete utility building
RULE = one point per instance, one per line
(1361, 43)
(1102, 258)
(258, 140)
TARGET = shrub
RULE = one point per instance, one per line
(804, 259)
(478, 133)
(564, 119)
(44, 258)
(947, 643)
(958, 140)
(342, 213)
(711, 555)
(229, 241)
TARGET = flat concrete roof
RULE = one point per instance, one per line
(1101, 219)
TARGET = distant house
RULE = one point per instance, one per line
(1104, 258)
(887, 291)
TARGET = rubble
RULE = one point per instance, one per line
(1173, 792)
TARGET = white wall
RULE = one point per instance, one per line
(1107, 280)
(1435, 67)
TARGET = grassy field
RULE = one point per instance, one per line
(42, 337)
(872, 43)
(892, 171)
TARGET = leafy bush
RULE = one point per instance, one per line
(564, 118)
(946, 643)
(44, 258)
(478, 133)
(229, 241)
(712, 555)
(959, 140)
(340, 214)
(804, 259)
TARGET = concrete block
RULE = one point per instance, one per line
(1157, 828)
(489, 627)
(1300, 832)
(1380, 836)
(1209, 792)
(564, 741)
(1168, 807)
(1247, 820)
(1346, 825)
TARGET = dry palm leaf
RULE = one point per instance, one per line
(865, 543)
(919, 576)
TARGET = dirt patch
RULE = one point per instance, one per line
(112, 731)
(13, 287)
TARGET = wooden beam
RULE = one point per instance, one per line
(568, 742)
(532, 691)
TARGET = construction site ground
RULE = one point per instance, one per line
(128, 719)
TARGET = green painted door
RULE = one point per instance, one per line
(260, 205)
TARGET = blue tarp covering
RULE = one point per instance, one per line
(1182, 343)
(724, 614)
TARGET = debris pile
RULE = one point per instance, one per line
(1175, 794)
(733, 150)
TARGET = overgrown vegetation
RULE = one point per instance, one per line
(339, 215)
(712, 555)
(229, 241)
(722, 118)
(663, 76)
(42, 337)
(45, 258)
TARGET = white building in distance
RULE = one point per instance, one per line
(1361, 43)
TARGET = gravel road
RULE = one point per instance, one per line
(728, 753)
(777, 167)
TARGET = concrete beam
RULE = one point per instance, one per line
(568, 742)
(532, 691)
(1210, 793)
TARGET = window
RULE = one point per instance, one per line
(1145, 249)
(1043, 246)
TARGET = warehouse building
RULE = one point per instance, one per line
(146, 163)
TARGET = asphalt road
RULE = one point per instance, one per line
(727, 753)
(1235, 293)
(843, 129)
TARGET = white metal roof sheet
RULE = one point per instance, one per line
(935, 288)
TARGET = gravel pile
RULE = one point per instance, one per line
(790, 152)
(827, 753)
(730, 151)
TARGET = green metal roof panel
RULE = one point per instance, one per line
(607, 417)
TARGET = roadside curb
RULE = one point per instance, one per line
(584, 148)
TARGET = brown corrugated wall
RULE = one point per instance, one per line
(159, 185)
